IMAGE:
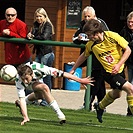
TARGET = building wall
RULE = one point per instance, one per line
(57, 13)
(2, 53)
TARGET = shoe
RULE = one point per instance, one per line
(99, 112)
(36, 103)
(44, 103)
(62, 122)
(129, 112)
(131, 115)
(17, 103)
(62, 118)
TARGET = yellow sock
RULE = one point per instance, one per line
(106, 101)
(130, 102)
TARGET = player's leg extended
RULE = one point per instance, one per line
(116, 82)
(107, 100)
(42, 91)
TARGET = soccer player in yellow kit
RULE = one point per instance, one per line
(112, 51)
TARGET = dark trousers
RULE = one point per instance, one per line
(98, 90)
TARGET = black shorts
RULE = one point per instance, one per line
(115, 81)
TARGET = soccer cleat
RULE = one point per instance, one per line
(129, 112)
(62, 121)
(99, 112)
(62, 118)
(44, 103)
(17, 103)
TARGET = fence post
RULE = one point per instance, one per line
(87, 91)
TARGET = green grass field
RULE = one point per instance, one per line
(44, 120)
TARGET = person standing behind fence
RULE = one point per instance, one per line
(15, 53)
(98, 89)
(43, 29)
(127, 33)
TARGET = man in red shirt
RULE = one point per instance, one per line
(15, 53)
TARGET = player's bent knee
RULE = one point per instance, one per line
(39, 94)
(128, 88)
(40, 90)
(37, 86)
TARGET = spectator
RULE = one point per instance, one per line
(98, 89)
(127, 33)
(43, 30)
(112, 51)
(29, 78)
(15, 53)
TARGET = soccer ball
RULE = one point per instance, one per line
(8, 73)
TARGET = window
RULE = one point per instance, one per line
(74, 8)
(126, 8)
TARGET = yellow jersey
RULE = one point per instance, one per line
(108, 52)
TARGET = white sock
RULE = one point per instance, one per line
(56, 108)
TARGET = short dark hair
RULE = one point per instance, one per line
(24, 70)
(92, 27)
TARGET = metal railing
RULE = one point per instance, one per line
(56, 43)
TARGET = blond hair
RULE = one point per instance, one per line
(44, 13)
(90, 9)
(130, 15)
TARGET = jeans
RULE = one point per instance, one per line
(47, 60)
(130, 74)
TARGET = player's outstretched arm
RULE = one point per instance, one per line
(24, 111)
(85, 81)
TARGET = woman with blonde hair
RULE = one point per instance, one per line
(43, 29)
(45, 18)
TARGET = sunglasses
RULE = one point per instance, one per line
(12, 15)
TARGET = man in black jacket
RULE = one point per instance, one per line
(127, 33)
(79, 37)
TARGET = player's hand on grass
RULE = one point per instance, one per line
(25, 120)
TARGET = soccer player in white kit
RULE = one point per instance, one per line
(30, 77)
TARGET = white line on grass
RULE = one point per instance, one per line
(88, 124)
(110, 127)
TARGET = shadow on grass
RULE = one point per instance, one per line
(34, 121)
(46, 121)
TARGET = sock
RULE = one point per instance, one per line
(130, 103)
(57, 110)
(106, 101)
(27, 100)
